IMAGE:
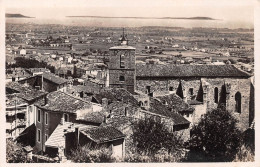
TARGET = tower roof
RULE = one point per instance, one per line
(123, 43)
(124, 40)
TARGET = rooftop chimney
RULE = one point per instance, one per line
(62, 121)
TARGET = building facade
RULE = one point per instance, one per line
(122, 66)
(205, 87)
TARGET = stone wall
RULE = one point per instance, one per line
(227, 88)
(116, 70)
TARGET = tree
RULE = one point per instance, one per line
(216, 136)
(88, 154)
(15, 153)
(150, 136)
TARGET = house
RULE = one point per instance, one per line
(177, 105)
(20, 107)
(36, 71)
(46, 81)
(58, 144)
(102, 136)
(15, 74)
(57, 108)
(23, 52)
(118, 102)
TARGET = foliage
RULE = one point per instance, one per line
(161, 156)
(216, 137)
(245, 154)
(88, 154)
(249, 139)
(150, 136)
(30, 63)
(15, 153)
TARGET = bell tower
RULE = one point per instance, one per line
(122, 65)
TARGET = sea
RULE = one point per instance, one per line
(133, 22)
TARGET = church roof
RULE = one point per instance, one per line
(187, 70)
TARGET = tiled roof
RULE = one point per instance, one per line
(11, 101)
(62, 102)
(82, 88)
(187, 70)
(93, 117)
(116, 94)
(25, 92)
(103, 134)
(174, 102)
(120, 122)
(54, 78)
(57, 140)
(158, 108)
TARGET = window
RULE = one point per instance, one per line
(126, 111)
(122, 61)
(238, 102)
(216, 95)
(39, 135)
(171, 88)
(122, 78)
(46, 137)
(39, 115)
(46, 118)
(66, 117)
(191, 91)
(37, 87)
(141, 103)
(148, 89)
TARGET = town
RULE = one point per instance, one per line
(71, 86)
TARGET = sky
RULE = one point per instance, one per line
(238, 12)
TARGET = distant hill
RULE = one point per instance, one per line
(182, 18)
(16, 16)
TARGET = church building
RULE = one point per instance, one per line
(205, 87)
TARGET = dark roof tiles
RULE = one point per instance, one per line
(174, 102)
(62, 102)
(24, 91)
(187, 70)
(158, 108)
(54, 78)
(103, 134)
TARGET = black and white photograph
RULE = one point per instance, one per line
(112, 81)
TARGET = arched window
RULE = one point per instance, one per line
(66, 117)
(216, 95)
(238, 102)
(122, 61)
(141, 103)
(191, 91)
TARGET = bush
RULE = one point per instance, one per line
(245, 154)
(15, 153)
(216, 137)
(30, 63)
(154, 143)
(88, 154)
(161, 156)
